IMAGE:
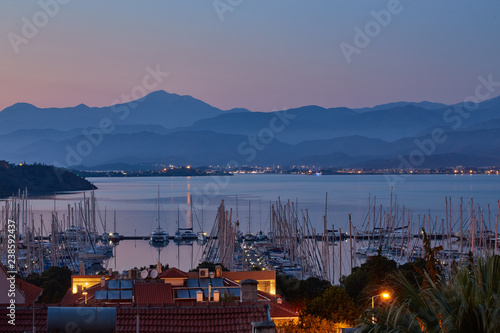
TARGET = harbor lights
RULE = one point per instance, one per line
(385, 295)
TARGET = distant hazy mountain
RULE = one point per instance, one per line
(423, 105)
(314, 122)
(172, 129)
(158, 108)
(434, 161)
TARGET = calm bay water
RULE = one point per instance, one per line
(134, 200)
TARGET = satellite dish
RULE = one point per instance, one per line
(144, 274)
(153, 274)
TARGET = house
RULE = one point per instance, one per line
(173, 301)
(231, 318)
(22, 292)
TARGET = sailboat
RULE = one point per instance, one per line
(185, 234)
(114, 236)
(159, 237)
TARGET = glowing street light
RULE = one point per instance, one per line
(85, 293)
(385, 295)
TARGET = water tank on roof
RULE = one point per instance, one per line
(81, 319)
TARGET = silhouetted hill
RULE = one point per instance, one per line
(38, 179)
(158, 108)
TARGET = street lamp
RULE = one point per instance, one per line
(85, 293)
(385, 295)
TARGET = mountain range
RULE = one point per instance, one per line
(165, 128)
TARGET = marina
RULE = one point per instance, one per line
(283, 235)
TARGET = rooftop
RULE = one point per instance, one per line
(173, 273)
(196, 317)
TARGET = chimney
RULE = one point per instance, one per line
(132, 274)
(218, 271)
(248, 290)
(82, 268)
(212, 275)
(103, 282)
(279, 300)
(263, 327)
(199, 296)
(216, 296)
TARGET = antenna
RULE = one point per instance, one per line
(144, 274)
(153, 274)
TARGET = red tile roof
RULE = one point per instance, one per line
(173, 273)
(24, 320)
(197, 317)
(31, 292)
(282, 311)
(153, 293)
(28, 290)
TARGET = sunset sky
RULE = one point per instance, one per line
(261, 55)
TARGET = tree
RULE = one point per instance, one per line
(432, 266)
(467, 301)
(55, 282)
(299, 292)
(310, 324)
(412, 271)
(367, 279)
(333, 305)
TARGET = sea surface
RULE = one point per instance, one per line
(135, 202)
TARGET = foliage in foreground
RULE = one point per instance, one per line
(311, 324)
(333, 305)
(329, 312)
(55, 283)
(467, 301)
(299, 292)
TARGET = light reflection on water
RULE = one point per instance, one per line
(137, 253)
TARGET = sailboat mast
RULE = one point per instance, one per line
(191, 216)
(237, 216)
(158, 206)
(249, 212)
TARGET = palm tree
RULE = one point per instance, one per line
(467, 301)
